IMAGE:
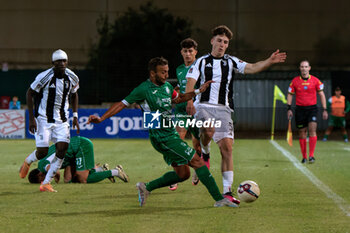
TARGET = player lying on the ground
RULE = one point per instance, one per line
(79, 165)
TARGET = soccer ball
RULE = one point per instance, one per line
(248, 191)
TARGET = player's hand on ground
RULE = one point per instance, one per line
(278, 57)
(32, 126)
(289, 114)
(76, 124)
(57, 177)
(94, 119)
(205, 86)
(325, 115)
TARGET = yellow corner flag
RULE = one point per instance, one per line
(278, 94)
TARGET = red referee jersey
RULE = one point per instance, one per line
(305, 90)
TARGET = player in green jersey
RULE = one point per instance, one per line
(78, 163)
(188, 53)
(155, 96)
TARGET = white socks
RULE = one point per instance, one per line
(54, 167)
(227, 180)
(115, 172)
(31, 158)
(205, 149)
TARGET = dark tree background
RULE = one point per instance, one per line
(119, 59)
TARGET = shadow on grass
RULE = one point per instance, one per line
(133, 210)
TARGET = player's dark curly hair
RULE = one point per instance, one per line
(189, 43)
(157, 61)
(222, 30)
(33, 176)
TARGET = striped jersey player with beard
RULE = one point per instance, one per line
(51, 91)
(157, 95)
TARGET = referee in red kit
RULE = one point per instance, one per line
(305, 88)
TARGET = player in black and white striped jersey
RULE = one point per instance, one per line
(217, 101)
(51, 92)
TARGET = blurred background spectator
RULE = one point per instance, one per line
(15, 103)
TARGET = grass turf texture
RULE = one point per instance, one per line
(289, 202)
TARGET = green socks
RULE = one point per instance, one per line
(208, 180)
(167, 179)
(203, 174)
(98, 176)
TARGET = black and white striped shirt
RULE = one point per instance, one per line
(221, 71)
(54, 103)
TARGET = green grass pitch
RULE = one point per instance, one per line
(289, 201)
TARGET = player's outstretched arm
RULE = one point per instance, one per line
(189, 95)
(276, 57)
(114, 109)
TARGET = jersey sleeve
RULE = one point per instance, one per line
(319, 85)
(291, 88)
(38, 82)
(74, 79)
(136, 96)
(240, 65)
(194, 70)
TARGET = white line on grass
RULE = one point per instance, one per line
(345, 148)
(324, 188)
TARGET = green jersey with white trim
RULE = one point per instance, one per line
(73, 148)
(154, 98)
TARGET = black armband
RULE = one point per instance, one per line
(289, 107)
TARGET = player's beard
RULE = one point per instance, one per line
(159, 81)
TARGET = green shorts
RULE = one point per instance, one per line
(183, 117)
(84, 159)
(175, 151)
(336, 121)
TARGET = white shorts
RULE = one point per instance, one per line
(223, 114)
(55, 132)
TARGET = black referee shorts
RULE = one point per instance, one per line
(304, 115)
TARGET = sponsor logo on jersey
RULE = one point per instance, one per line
(52, 86)
(208, 65)
(154, 92)
(167, 90)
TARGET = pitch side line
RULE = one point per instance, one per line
(319, 184)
